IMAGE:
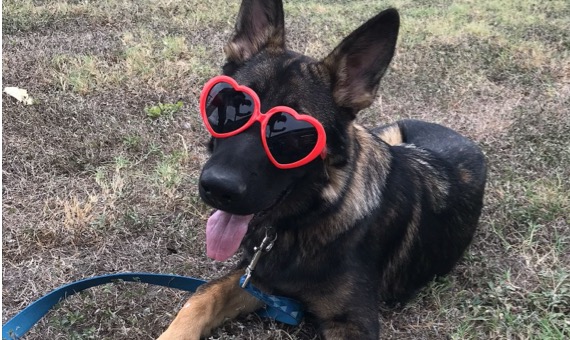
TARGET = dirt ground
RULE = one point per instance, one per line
(99, 175)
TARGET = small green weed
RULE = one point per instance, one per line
(132, 141)
(168, 174)
(68, 324)
(163, 110)
(121, 162)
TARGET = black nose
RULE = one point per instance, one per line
(221, 188)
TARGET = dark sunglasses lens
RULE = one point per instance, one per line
(289, 139)
(227, 109)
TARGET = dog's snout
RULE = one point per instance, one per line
(221, 189)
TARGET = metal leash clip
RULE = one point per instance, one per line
(265, 246)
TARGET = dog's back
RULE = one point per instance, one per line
(432, 203)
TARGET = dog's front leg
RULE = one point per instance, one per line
(348, 312)
(212, 303)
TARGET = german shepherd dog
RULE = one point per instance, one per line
(369, 216)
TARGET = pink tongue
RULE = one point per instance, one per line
(224, 233)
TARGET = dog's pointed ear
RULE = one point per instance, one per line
(260, 24)
(358, 63)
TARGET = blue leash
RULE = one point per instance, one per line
(279, 308)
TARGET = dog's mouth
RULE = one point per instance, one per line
(225, 231)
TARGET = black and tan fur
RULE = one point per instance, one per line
(384, 213)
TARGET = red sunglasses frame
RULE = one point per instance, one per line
(263, 119)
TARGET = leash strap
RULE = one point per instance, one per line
(280, 308)
(27, 318)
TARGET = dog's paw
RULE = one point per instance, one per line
(173, 333)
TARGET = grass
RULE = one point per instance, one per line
(163, 110)
(100, 173)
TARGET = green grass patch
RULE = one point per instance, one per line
(159, 63)
(543, 201)
(511, 307)
(29, 15)
(174, 48)
(168, 170)
(163, 110)
(81, 74)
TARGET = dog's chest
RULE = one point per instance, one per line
(292, 264)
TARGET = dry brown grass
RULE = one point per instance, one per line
(93, 185)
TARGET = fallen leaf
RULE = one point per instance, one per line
(21, 95)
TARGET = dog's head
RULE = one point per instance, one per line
(239, 178)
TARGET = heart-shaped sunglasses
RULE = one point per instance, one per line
(290, 139)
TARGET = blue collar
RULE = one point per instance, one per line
(280, 308)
